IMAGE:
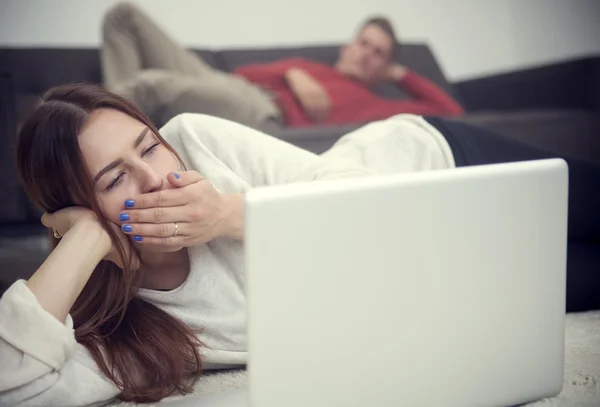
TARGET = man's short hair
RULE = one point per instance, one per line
(387, 27)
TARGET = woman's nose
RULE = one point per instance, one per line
(152, 181)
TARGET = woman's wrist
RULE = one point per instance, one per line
(61, 278)
(233, 216)
(93, 231)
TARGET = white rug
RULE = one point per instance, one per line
(582, 369)
(582, 363)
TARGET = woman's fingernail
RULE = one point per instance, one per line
(137, 238)
(176, 175)
(129, 203)
(123, 217)
(127, 228)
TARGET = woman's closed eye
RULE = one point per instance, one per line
(150, 150)
(115, 181)
(119, 178)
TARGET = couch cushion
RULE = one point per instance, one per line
(569, 132)
(234, 58)
(316, 139)
(417, 57)
(564, 131)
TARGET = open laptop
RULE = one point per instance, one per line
(442, 288)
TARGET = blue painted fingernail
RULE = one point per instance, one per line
(129, 203)
(124, 217)
(127, 228)
(137, 238)
(176, 175)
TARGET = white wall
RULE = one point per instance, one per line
(470, 37)
(543, 30)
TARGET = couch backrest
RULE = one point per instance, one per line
(11, 203)
(36, 69)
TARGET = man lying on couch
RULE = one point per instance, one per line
(142, 63)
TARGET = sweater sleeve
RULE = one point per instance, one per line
(430, 99)
(257, 158)
(269, 75)
(42, 364)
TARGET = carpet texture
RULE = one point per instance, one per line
(582, 369)
(581, 387)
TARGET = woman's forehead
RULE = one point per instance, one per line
(104, 121)
(107, 134)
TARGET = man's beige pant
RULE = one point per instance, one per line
(141, 63)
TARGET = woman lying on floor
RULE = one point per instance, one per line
(144, 288)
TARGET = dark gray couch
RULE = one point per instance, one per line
(556, 107)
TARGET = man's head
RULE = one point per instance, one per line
(370, 54)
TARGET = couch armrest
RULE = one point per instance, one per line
(13, 207)
(316, 139)
(570, 85)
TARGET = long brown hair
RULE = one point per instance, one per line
(146, 352)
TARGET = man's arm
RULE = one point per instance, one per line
(270, 75)
(291, 74)
(430, 99)
(309, 92)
